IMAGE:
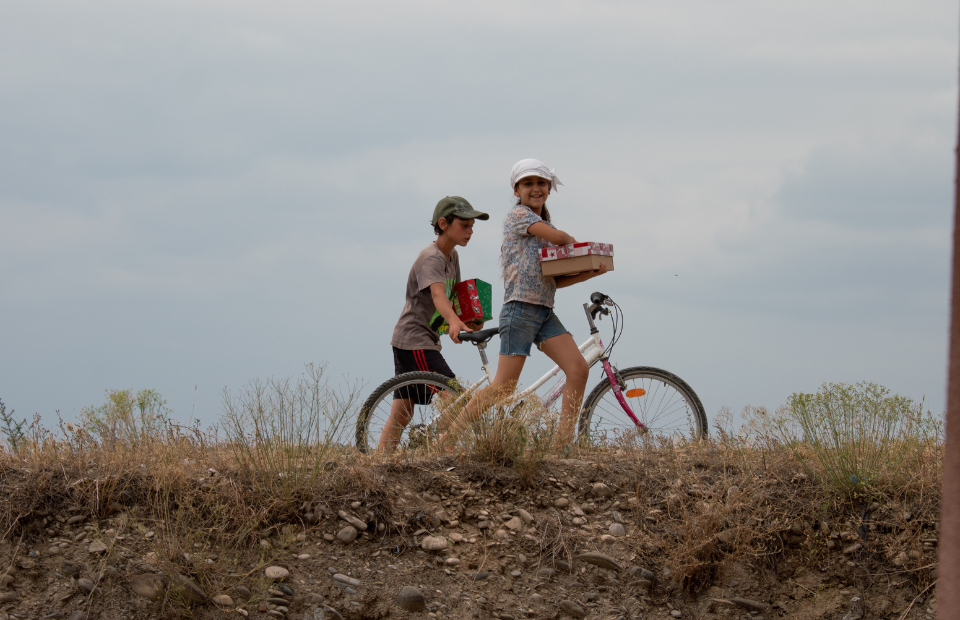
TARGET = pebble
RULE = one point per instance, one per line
(149, 586)
(546, 573)
(78, 615)
(480, 576)
(601, 490)
(97, 547)
(482, 525)
(273, 600)
(617, 529)
(561, 502)
(514, 524)
(452, 561)
(86, 585)
(572, 609)
(332, 613)
(352, 520)
(276, 573)
(501, 534)
(433, 543)
(285, 589)
(329, 537)
(190, 591)
(9, 596)
(303, 556)
(599, 559)
(515, 573)
(525, 516)
(536, 599)
(242, 593)
(411, 599)
(456, 537)
(53, 551)
(347, 535)
(676, 613)
(350, 581)
(222, 600)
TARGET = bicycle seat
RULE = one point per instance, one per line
(481, 336)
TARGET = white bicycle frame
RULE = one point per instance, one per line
(591, 349)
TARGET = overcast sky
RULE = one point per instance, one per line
(196, 194)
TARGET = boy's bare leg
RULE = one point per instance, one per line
(401, 411)
(564, 352)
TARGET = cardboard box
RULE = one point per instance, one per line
(574, 258)
(473, 300)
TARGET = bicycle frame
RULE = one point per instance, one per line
(592, 350)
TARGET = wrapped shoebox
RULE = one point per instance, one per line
(473, 300)
(573, 258)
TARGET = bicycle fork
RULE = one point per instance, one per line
(616, 383)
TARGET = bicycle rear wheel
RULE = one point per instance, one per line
(668, 408)
(439, 390)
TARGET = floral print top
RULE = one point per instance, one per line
(520, 260)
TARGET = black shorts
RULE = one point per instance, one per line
(424, 360)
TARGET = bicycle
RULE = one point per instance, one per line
(639, 400)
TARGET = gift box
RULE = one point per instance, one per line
(473, 300)
(574, 258)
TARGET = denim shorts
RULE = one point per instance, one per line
(523, 325)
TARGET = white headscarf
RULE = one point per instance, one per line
(533, 168)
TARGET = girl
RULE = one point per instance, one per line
(527, 317)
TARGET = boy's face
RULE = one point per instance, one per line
(459, 231)
(532, 191)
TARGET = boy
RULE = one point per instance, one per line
(428, 312)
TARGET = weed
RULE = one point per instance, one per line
(11, 428)
(860, 435)
(282, 432)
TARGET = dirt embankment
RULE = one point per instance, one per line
(662, 533)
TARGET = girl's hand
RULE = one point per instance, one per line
(598, 272)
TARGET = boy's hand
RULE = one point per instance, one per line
(457, 326)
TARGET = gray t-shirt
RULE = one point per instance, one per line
(420, 324)
(523, 280)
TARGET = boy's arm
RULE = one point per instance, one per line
(554, 236)
(564, 281)
(438, 291)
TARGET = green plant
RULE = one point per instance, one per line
(12, 428)
(128, 418)
(281, 431)
(860, 435)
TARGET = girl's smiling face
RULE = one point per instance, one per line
(532, 192)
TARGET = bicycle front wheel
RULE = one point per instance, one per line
(662, 401)
(430, 394)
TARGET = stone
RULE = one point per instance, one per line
(86, 585)
(750, 604)
(546, 573)
(851, 548)
(70, 569)
(276, 573)
(54, 551)
(433, 543)
(525, 516)
(97, 547)
(561, 502)
(572, 609)
(411, 599)
(10, 596)
(452, 561)
(515, 573)
(347, 535)
(617, 529)
(274, 600)
(187, 589)
(78, 615)
(676, 613)
(599, 559)
(514, 524)
(456, 537)
(352, 520)
(242, 593)
(149, 586)
(350, 581)
(601, 490)
(222, 600)
(331, 613)
(536, 599)
(76, 519)
(480, 576)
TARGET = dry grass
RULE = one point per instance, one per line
(744, 496)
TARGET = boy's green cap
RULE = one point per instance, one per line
(455, 205)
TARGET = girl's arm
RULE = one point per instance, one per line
(554, 236)
(564, 281)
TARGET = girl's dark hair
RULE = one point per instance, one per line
(449, 218)
(544, 212)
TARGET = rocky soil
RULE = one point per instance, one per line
(589, 538)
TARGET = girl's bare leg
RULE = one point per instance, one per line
(563, 351)
(401, 410)
(504, 382)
